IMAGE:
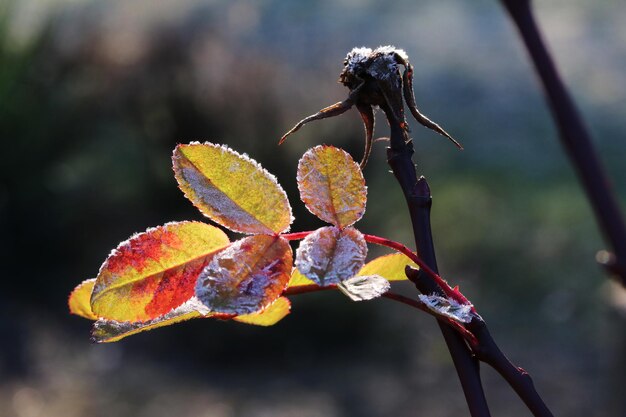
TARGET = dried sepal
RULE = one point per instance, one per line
(331, 255)
(332, 186)
(231, 189)
(247, 276)
(79, 300)
(155, 271)
(269, 316)
(364, 287)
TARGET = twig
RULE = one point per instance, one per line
(399, 158)
(575, 138)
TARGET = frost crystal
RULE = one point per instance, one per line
(247, 276)
(214, 178)
(356, 58)
(330, 255)
(448, 307)
(364, 287)
(382, 63)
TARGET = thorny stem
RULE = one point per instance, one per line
(521, 382)
(575, 138)
(417, 195)
(449, 291)
(419, 200)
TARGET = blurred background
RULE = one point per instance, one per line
(95, 95)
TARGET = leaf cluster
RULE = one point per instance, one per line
(185, 270)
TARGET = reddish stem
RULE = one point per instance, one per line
(304, 289)
(296, 236)
(421, 306)
(453, 293)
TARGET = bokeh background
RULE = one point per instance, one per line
(94, 96)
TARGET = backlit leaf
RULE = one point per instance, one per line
(274, 313)
(105, 331)
(391, 267)
(79, 299)
(247, 276)
(298, 280)
(231, 189)
(331, 255)
(155, 271)
(364, 287)
(331, 185)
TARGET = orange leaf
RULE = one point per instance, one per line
(391, 267)
(79, 299)
(231, 189)
(331, 185)
(155, 271)
(247, 276)
(274, 313)
(331, 255)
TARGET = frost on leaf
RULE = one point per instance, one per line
(79, 299)
(364, 287)
(247, 276)
(391, 267)
(271, 315)
(447, 307)
(331, 255)
(331, 185)
(155, 271)
(105, 331)
(231, 189)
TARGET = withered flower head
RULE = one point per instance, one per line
(374, 80)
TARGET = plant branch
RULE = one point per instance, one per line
(575, 138)
(521, 382)
(417, 196)
(305, 289)
(419, 200)
(296, 235)
(442, 283)
(469, 336)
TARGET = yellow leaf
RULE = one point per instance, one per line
(298, 280)
(247, 276)
(391, 267)
(331, 255)
(154, 272)
(231, 189)
(79, 299)
(331, 185)
(274, 313)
